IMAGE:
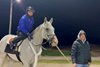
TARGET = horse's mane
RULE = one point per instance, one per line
(36, 29)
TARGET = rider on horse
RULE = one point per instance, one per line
(25, 27)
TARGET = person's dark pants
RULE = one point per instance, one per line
(82, 65)
(18, 38)
(12, 46)
(21, 36)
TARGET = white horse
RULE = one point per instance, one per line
(31, 50)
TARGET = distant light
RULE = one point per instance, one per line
(18, 1)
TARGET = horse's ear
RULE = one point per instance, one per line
(45, 19)
(51, 20)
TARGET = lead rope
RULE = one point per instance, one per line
(63, 54)
(56, 47)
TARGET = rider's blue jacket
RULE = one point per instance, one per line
(26, 24)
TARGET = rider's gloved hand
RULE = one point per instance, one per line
(29, 36)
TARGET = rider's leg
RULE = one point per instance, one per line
(13, 44)
(16, 40)
(20, 37)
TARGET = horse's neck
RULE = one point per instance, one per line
(38, 36)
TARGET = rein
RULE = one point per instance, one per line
(40, 44)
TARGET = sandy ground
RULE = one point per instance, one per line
(60, 65)
(51, 65)
(43, 64)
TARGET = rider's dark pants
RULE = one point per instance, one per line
(20, 37)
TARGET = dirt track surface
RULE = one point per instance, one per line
(51, 65)
(60, 65)
(45, 64)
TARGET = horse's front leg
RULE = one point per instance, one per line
(36, 57)
(25, 65)
(35, 61)
(10, 62)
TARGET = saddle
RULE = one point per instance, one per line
(8, 48)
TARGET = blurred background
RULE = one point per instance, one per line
(70, 16)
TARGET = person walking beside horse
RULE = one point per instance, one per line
(80, 52)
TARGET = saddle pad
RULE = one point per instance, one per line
(10, 39)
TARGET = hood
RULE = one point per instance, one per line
(79, 34)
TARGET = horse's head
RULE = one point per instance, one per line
(48, 32)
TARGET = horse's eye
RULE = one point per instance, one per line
(47, 29)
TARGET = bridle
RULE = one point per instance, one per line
(48, 40)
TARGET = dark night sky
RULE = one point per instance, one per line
(70, 16)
